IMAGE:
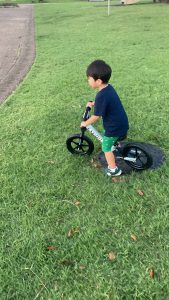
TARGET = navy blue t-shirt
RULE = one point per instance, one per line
(109, 107)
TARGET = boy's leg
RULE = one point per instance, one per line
(110, 158)
(107, 144)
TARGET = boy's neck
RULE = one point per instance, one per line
(102, 86)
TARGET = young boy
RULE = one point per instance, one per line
(108, 106)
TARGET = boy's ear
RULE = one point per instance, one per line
(99, 81)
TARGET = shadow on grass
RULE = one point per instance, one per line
(6, 4)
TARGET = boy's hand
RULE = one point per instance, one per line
(83, 124)
(89, 121)
(90, 104)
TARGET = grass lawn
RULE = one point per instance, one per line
(68, 232)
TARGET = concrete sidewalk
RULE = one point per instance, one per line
(17, 46)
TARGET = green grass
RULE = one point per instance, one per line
(41, 181)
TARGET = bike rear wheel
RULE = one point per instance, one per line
(77, 144)
(143, 159)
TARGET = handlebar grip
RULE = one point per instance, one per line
(86, 114)
(88, 108)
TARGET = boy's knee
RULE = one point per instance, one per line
(106, 148)
(107, 143)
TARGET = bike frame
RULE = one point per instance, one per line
(99, 137)
(135, 156)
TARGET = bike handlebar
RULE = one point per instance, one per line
(86, 113)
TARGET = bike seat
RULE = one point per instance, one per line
(121, 138)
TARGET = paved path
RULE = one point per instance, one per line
(17, 46)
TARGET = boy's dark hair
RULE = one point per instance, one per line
(98, 69)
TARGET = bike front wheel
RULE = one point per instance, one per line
(77, 144)
(138, 157)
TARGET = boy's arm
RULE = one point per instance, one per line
(90, 121)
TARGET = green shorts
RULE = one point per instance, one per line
(108, 142)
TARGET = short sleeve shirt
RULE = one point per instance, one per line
(108, 106)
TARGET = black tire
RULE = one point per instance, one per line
(79, 145)
(143, 158)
